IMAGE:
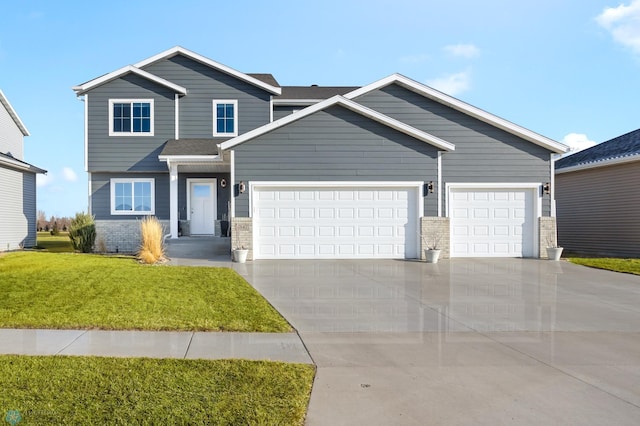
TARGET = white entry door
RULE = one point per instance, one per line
(335, 222)
(492, 222)
(202, 207)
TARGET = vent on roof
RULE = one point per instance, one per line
(314, 85)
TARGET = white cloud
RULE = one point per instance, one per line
(452, 84)
(69, 175)
(577, 142)
(463, 50)
(623, 22)
(415, 59)
(44, 180)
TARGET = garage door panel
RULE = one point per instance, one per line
(332, 223)
(492, 222)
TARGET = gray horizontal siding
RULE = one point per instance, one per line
(122, 153)
(17, 210)
(598, 210)
(222, 194)
(205, 84)
(101, 195)
(11, 138)
(483, 154)
(335, 145)
(280, 111)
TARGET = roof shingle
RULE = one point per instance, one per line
(626, 145)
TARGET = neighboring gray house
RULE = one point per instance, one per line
(598, 198)
(310, 172)
(17, 182)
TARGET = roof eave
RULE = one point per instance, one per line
(598, 164)
(92, 84)
(14, 115)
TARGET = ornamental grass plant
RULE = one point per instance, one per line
(151, 248)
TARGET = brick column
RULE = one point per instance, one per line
(547, 234)
(435, 229)
(242, 234)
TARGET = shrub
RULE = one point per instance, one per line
(151, 248)
(82, 232)
(54, 230)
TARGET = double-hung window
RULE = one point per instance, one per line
(132, 196)
(225, 118)
(130, 117)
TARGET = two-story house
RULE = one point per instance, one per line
(17, 182)
(310, 172)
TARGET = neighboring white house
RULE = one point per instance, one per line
(17, 183)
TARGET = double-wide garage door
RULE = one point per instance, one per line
(346, 222)
(492, 222)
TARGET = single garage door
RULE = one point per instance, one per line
(335, 222)
(492, 222)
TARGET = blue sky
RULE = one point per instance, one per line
(567, 69)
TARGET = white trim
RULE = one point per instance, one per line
(552, 184)
(86, 132)
(351, 105)
(535, 187)
(296, 102)
(214, 117)
(189, 159)
(174, 216)
(417, 186)
(17, 164)
(462, 107)
(601, 163)
(177, 117)
(13, 114)
(232, 181)
(206, 61)
(270, 108)
(439, 189)
(112, 197)
(89, 203)
(131, 101)
(214, 182)
(92, 84)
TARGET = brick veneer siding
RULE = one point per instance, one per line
(435, 228)
(242, 234)
(121, 236)
(547, 234)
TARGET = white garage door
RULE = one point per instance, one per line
(335, 222)
(492, 222)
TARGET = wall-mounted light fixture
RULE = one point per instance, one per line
(430, 187)
(546, 188)
(242, 187)
(223, 183)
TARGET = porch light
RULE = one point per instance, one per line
(223, 183)
(430, 187)
(546, 188)
(241, 187)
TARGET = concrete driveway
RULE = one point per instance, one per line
(481, 341)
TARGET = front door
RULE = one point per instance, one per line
(202, 206)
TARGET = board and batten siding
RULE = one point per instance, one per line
(204, 84)
(101, 195)
(18, 209)
(11, 138)
(483, 154)
(598, 210)
(128, 153)
(335, 144)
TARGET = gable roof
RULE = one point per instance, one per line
(265, 78)
(129, 69)
(463, 107)
(190, 147)
(346, 103)
(14, 115)
(179, 50)
(621, 149)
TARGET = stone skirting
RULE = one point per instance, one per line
(242, 234)
(547, 235)
(120, 236)
(435, 230)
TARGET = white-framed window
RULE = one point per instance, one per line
(130, 117)
(133, 196)
(225, 117)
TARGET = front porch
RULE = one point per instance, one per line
(199, 251)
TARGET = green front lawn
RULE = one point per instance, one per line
(92, 390)
(67, 291)
(630, 266)
(56, 244)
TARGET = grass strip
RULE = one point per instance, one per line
(95, 390)
(629, 266)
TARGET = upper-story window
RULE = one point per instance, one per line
(130, 117)
(225, 118)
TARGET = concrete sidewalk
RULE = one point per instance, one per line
(286, 347)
